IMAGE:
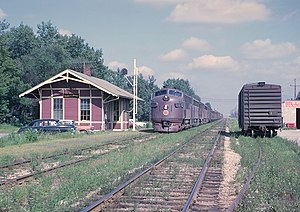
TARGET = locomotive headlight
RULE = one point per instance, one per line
(166, 98)
(165, 107)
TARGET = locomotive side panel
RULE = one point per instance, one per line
(195, 113)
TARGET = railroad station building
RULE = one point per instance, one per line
(89, 101)
(291, 114)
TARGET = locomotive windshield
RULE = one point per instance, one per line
(160, 92)
(165, 92)
(175, 93)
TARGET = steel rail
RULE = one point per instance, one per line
(67, 153)
(247, 183)
(96, 204)
(201, 175)
(17, 179)
(122, 186)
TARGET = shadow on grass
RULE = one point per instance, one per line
(146, 130)
(235, 134)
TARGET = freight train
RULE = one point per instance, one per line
(259, 109)
(172, 111)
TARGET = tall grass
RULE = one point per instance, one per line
(67, 189)
(7, 128)
(30, 136)
(275, 186)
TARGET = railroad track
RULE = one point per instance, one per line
(240, 195)
(78, 151)
(16, 174)
(167, 184)
(206, 193)
(174, 185)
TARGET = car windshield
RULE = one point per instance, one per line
(52, 123)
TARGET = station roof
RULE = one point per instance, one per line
(69, 74)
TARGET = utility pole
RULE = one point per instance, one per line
(295, 88)
(135, 81)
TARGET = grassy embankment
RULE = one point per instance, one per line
(6, 128)
(68, 188)
(276, 185)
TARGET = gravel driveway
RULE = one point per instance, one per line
(293, 135)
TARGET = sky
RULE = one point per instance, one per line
(217, 45)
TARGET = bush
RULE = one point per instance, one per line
(15, 138)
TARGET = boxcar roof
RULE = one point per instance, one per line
(69, 74)
(260, 84)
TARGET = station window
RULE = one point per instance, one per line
(85, 111)
(58, 108)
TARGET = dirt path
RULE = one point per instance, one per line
(230, 168)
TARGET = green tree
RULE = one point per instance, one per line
(21, 41)
(11, 84)
(4, 25)
(146, 87)
(76, 46)
(7, 67)
(47, 33)
(43, 63)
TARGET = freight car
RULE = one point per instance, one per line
(259, 109)
(172, 111)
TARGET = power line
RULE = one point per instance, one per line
(295, 88)
(218, 99)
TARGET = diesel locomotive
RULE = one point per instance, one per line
(172, 111)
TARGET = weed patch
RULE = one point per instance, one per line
(275, 186)
(65, 189)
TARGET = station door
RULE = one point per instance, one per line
(298, 118)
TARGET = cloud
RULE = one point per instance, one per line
(291, 15)
(65, 32)
(146, 71)
(297, 60)
(116, 64)
(2, 14)
(214, 62)
(265, 49)
(219, 11)
(196, 44)
(177, 54)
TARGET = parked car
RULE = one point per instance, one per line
(48, 125)
(79, 128)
